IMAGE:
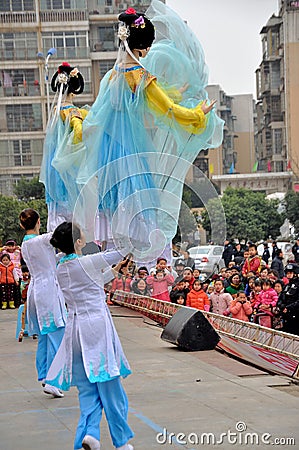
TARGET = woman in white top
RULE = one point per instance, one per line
(45, 303)
(90, 356)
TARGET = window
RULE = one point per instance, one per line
(20, 82)
(22, 152)
(24, 117)
(277, 141)
(18, 46)
(16, 5)
(107, 38)
(105, 66)
(69, 44)
(62, 4)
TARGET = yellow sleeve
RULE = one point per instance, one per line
(173, 93)
(192, 120)
(76, 125)
(76, 116)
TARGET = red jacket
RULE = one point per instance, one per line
(197, 299)
(252, 265)
(239, 310)
(121, 283)
(7, 273)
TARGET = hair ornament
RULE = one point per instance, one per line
(62, 78)
(123, 32)
(74, 72)
(139, 22)
(130, 11)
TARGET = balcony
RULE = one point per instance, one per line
(64, 16)
(18, 17)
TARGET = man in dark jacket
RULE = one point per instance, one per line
(295, 251)
(277, 264)
(227, 252)
(288, 303)
(266, 253)
(238, 254)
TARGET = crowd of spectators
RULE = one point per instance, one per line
(251, 287)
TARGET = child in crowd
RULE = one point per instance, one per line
(196, 274)
(24, 289)
(142, 272)
(159, 283)
(14, 251)
(179, 299)
(122, 282)
(253, 262)
(9, 279)
(220, 300)
(249, 286)
(178, 288)
(265, 303)
(254, 294)
(197, 298)
(210, 290)
(240, 307)
(188, 277)
(140, 287)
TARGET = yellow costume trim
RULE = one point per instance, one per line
(163, 101)
(75, 116)
(192, 120)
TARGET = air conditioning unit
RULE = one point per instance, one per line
(108, 9)
(122, 6)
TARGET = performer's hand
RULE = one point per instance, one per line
(207, 108)
(183, 88)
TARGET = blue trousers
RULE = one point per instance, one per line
(93, 398)
(47, 347)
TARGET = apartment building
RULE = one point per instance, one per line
(277, 131)
(223, 159)
(80, 32)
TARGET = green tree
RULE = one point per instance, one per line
(249, 215)
(29, 189)
(10, 209)
(291, 203)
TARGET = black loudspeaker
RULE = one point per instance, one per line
(190, 330)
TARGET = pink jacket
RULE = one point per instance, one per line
(160, 288)
(268, 297)
(239, 310)
(220, 302)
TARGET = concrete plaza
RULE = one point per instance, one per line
(186, 394)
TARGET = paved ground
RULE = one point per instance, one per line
(190, 393)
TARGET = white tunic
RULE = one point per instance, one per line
(45, 303)
(89, 323)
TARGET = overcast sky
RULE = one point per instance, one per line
(229, 31)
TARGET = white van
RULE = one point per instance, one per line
(286, 248)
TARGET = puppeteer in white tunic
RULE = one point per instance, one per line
(89, 327)
(45, 303)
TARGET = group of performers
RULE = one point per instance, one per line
(113, 172)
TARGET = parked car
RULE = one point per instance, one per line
(208, 258)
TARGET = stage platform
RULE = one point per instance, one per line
(178, 400)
